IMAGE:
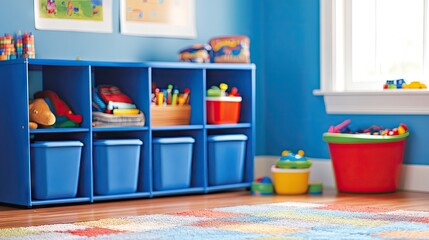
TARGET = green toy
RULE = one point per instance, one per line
(262, 186)
(214, 91)
(315, 188)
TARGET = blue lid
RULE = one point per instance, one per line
(174, 140)
(57, 144)
(229, 137)
(115, 142)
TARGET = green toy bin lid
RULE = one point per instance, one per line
(361, 138)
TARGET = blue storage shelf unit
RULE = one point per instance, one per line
(74, 80)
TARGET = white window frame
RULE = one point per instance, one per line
(339, 101)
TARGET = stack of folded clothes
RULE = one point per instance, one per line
(112, 108)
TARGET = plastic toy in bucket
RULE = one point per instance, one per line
(366, 163)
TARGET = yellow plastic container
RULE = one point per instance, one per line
(290, 181)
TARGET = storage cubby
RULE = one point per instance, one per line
(143, 178)
(247, 166)
(182, 79)
(55, 169)
(172, 163)
(242, 80)
(166, 140)
(74, 82)
(225, 156)
(131, 81)
(116, 166)
(84, 190)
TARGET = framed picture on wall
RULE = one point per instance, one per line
(158, 18)
(73, 15)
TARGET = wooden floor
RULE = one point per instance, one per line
(19, 217)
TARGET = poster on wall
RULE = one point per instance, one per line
(73, 15)
(158, 18)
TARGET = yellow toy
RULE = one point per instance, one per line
(414, 85)
(40, 114)
(286, 152)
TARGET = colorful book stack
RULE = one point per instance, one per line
(112, 108)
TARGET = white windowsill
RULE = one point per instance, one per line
(399, 101)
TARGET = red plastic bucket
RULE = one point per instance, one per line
(223, 110)
(366, 163)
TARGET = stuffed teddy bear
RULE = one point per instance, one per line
(40, 114)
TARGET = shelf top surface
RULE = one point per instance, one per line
(149, 64)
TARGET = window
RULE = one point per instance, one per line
(366, 42)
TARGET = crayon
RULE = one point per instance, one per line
(186, 95)
(165, 96)
(160, 99)
(181, 99)
(169, 89)
(174, 97)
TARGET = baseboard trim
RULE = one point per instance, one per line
(411, 175)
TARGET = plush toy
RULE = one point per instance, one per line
(40, 114)
(61, 110)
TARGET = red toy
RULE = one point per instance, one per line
(60, 108)
(113, 94)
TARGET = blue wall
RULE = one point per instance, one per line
(285, 48)
(295, 118)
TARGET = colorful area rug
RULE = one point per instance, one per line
(287, 220)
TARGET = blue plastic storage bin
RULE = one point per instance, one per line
(116, 166)
(226, 158)
(55, 169)
(172, 163)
